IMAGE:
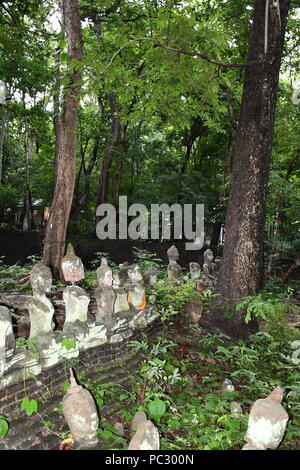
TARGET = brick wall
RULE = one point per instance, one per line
(105, 363)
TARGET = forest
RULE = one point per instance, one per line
(172, 104)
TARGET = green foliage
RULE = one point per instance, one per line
(8, 196)
(170, 298)
(108, 433)
(4, 426)
(145, 259)
(274, 310)
(184, 396)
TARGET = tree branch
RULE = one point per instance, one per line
(201, 56)
(178, 51)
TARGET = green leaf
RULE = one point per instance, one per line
(157, 409)
(67, 384)
(64, 57)
(3, 426)
(100, 402)
(69, 343)
(30, 406)
(123, 396)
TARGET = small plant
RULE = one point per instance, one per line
(108, 433)
(145, 259)
(273, 310)
(29, 344)
(97, 260)
(170, 298)
(32, 260)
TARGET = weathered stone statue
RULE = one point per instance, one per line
(15, 364)
(136, 292)
(217, 265)
(150, 277)
(80, 412)
(174, 270)
(208, 275)
(194, 309)
(40, 308)
(7, 339)
(123, 273)
(105, 294)
(76, 307)
(146, 437)
(75, 298)
(72, 266)
(121, 302)
(267, 422)
(195, 271)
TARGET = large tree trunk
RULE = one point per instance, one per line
(242, 268)
(56, 229)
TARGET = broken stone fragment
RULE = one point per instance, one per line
(208, 275)
(172, 253)
(145, 438)
(120, 429)
(80, 412)
(236, 409)
(174, 271)
(7, 339)
(105, 298)
(41, 313)
(76, 307)
(104, 274)
(195, 271)
(150, 277)
(121, 303)
(105, 294)
(40, 279)
(139, 418)
(267, 422)
(227, 386)
(136, 296)
(72, 266)
(194, 309)
(249, 447)
(134, 273)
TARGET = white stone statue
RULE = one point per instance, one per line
(174, 270)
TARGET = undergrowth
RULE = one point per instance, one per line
(183, 396)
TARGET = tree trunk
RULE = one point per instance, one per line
(294, 266)
(241, 272)
(81, 199)
(28, 147)
(56, 109)
(8, 140)
(2, 132)
(56, 229)
(109, 150)
(197, 130)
